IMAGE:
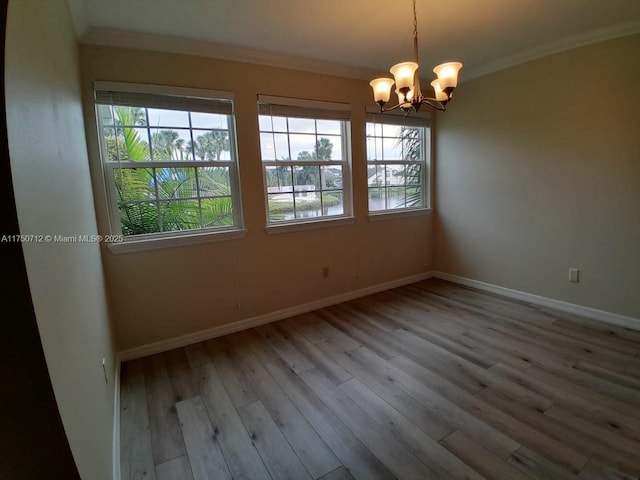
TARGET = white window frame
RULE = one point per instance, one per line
(318, 110)
(181, 99)
(399, 119)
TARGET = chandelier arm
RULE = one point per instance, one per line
(433, 103)
(382, 109)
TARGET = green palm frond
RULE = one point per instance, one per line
(411, 144)
(135, 148)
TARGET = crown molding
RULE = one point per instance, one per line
(200, 48)
(187, 46)
(568, 43)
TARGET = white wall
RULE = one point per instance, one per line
(161, 294)
(53, 196)
(538, 170)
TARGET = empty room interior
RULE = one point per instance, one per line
(321, 240)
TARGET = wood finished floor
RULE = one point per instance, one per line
(430, 380)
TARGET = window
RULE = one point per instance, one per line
(397, 163)
(170, 161)
(305, 155)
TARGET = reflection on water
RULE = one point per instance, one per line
(375, 204)
(317, 212)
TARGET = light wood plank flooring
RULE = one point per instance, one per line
(427, 381)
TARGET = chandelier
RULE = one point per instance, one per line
(407, 81)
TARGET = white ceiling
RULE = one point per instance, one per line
(363, 35)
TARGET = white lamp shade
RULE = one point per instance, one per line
(440, 95)
(404, 74)
(381, 89)
(448, 74)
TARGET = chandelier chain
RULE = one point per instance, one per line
(415, 33)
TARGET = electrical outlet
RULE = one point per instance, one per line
(104, 370)
(325, 272)
(574, 275)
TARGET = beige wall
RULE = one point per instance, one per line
(53, 196)
(157, 295)
(538, 170)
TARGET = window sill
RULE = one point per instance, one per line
(389, 215)
(308, 225)
(142, 245)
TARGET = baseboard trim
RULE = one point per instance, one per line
(116, 420)
(202, 335)
(587, 312)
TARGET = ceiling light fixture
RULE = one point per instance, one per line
(407, 82)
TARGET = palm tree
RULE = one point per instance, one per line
(210, 145)
(164, 144)
(180, 148)
(309, 175)
(324, 148)
(151, 199)
(411, 144)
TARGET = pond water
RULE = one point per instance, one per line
(375, 204)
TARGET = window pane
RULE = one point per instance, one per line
(272, 124)
(331, 177)
(167, 118)
(179, 215)
(307, 205)
(211, 145)
(376, 199)
(135, 143)
(113, 145)
(376, 175)
(176, 183)
(274, 146)
(329, 147)
(330, 127)
(374, 149)
(279, 124)
(130, 116)
(209, 120)
(391, 149)
(214, 181)
(413, 174)
(138, 218)
(395, 197)
(106, 115)
(302, 125)
(278, 177)
(267, 148)
(415, 197)
(306, 178)
(395, 174)
(303, 147)
(217, 212)
(411, 144)
(167, 144)
(374, 129)
(391, 130)
(280, 206)
(135, 184)
(264, 123)
(333, 203)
